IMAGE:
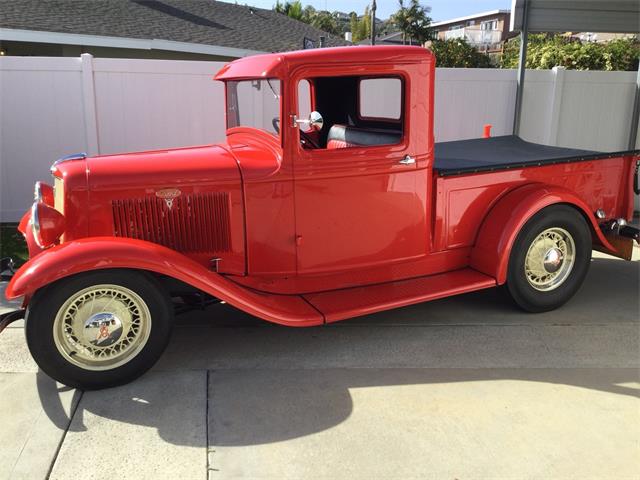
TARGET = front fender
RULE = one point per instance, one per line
(498, 232)
(108, 252)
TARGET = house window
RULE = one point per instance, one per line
(489, 25)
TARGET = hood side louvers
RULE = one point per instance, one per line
(196, 223)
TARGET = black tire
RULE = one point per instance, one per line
(523, 293)
(47, 302)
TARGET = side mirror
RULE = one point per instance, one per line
(313, 124)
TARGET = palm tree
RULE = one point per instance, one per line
(290, 9)
(420, 22)
(413, 22)
(401, 20)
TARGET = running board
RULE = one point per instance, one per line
(353, 302)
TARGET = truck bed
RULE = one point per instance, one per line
(504, 152)
(472, 174)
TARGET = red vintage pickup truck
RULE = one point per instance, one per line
(328, 200)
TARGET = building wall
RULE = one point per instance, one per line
(502, 25)
(503, 22)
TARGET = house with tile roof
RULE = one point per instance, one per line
(164, 29)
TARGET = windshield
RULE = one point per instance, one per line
(254, 103)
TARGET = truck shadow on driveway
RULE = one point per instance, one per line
(248, 383)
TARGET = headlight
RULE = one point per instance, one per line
(47, 224)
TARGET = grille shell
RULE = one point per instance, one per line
(194, 223)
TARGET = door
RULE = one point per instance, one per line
(360, 187)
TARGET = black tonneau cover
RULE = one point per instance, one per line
(505, 152)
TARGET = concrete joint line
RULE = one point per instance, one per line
(209, 450)
(74, 409)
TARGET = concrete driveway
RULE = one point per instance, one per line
(466, 387)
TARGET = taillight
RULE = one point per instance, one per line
(47, 224)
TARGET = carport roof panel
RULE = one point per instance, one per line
(611, 16)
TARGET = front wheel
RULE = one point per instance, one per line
(99, 329)
(550, 259)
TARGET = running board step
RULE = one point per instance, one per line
(352, 302)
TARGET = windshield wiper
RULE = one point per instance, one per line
(277, 97)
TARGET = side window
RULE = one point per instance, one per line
(380, 98)
(309, 138)
(350, 112)
(304, 99)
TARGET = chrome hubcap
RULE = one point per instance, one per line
(550, 259)
(102, 327)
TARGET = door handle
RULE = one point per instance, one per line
(407, 160)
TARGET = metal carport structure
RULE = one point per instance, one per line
(611, 16)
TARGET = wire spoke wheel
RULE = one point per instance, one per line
(550, 259)
(102, 327)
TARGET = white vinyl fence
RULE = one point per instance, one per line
(51, 107)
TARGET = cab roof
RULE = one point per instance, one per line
(279, 65)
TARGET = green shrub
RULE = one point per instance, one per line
(545, 51)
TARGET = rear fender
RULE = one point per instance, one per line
(499, 230)
(95, 253)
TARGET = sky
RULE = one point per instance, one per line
(440, 9)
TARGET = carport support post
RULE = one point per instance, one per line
(522, 66)
(633, 132)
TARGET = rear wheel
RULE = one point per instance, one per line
(550, 259)
(99, 329)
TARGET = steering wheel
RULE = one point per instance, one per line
(308, 140)
(275, 123)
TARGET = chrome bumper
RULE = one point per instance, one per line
(630, 231)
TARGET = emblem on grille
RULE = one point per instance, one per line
(168, 195)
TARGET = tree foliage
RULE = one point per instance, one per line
(457, 53)
(360, 26)
(545, 51)
(322, 20)
(413, 21)
(290, 9)
(327, 22)
(353, 25)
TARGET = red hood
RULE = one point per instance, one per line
(187, 199)
(205, 165)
